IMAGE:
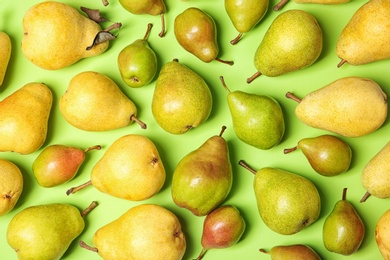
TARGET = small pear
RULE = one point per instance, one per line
(24, 117)
(343, 229)
(93, 102)
(287, 202)
(11, 185)
(131, 169)
(222, 228)
(257, 119)
(328, 155)
(245, 15)
(57, 164)
(146, 231)
(282, 3)
(382, 234)
(182, 100)
(137, 62)
(203, 178)
(292, 252)
(292, 42)
(365, 40)
(350, 106)
(5, 55)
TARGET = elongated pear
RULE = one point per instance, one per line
(282, 3)
(295, 251)
(5, 54)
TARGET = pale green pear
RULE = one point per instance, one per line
(382, 234)
(11, 185)
(5, 54)
(292, 252)
(282, 3)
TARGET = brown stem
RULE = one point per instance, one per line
(225, 61)
(246, 166)
(91, 206)
(253, 77)
(264, 251)
(113, 26)
(76, 189)
(341, 63)
(201, 254)
(105, 2)
(162, 33)
(135, 119)
(293, 97)
(90, 248)
(95, 147)
(344, 196)
(365, 197)
(289, 150)
(223, 83)
(222, 130)
(237, 39)
(279, 5)
(150, 25)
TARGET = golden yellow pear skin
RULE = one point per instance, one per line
(5, 54)
(11, 185)
(382, 234)
(56, 35)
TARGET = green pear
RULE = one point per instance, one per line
(382, 234)
(203, 178)
(343, 229)
(24, 117)
(146, 231)
(45, 231)
(328, 155)
(11, 185)
(222, 228)
(182, 100)
(292, 42)
(365, 40)
(56, 35)
(196, 32)
(350, 106)
(245, 15)
(137, 62)
(292, 252)
(287, 202)
(93, 102)
(282, 3)
(58, 164)
(5, 55)
(257, 119)
(131, 169)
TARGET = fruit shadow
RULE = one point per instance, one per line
(28, 185)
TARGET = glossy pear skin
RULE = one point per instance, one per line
(382, 234)
(282, 3)
(292, 252)
(11, 185)
(27, 110)
(56, 35)
(343, 229)
(5, 54)
(153, 7)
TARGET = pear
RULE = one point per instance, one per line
(203, 178)
(56, 35)
(93, 102)
(365, 40)
(343, 229)
(382, 234)
(131, 169)
(24, 118)
(292, 42)
(5, 54)
(287, 202)
(58, 164)
(222, 228)
(182, 100)
(11, 185)
(137, 62)
(45, 231)
(245, 15)
(328, 155)
(196, 32)
(350, 106)
(144, 232)
(151, 7)
(292, 252)
(282, 3)
(257, 119)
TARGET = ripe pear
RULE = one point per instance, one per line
(93, 102)
(45, 231)
(137, 62)
(282, 3)
(58, 164)
(245, 15)
(203, 178)
(287, 202)
(343, 229)
(257, 119)
(350, 106)
(5, 54)
(11, 185)
(131, 169)
(292, 42)
(328, 155)
(146, 231)
(363, 39)
(24, 118)
(222, 228)
(56, 35)
(182, 100)
(196, 32)
(292, 252)
(382, 234)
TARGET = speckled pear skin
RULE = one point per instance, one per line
(154, 7)
(5, 54)
(293, 252)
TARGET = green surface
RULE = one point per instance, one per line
(332, 20)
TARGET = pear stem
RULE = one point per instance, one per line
(162, 33)
(341, 63)
(289, 150)
(279, 5)
(222, 130)
(76, 189)
(365, 197)
(264, 251)
(246, 166)
(95, 147)
(135, 119)
(223, 83)
(113, 26)
(105, 2)
(88, 247)
(344, 196)
(237, 39)
(293, 97)
(91, 206)
(149, 28)
(253, 77)
(225, 61)
(201, 254)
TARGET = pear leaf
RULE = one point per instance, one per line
(104, 35)
(93, 14)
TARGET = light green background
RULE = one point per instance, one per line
(332, 20)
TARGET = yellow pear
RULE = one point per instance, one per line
(5, 54)
(11, 185)
(382, 234)
(56, 35)
(93, 102)
(24, 118)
